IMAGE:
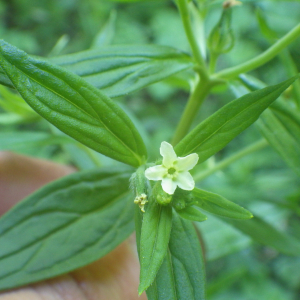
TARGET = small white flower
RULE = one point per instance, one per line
(174, 170)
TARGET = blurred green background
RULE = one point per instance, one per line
(237, 268)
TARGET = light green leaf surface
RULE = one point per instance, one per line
(119, 70)
(192, 214)
(218, 205)
(182, 274)
(65, 225)
(154, 239)
(73, 106)
(280, 138)
(23, 139)
(264, 233)
(219, 129)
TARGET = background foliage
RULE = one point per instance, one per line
(237, 267)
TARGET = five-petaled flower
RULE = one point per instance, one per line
(174, 170)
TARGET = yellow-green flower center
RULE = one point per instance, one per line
(171, 171)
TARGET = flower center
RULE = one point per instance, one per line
(171, 171)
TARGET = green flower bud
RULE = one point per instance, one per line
(182, 199)
(160, 195)
(221, 38)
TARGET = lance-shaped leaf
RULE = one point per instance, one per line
(65, 225)
(153, 242)
(73, 106)
(182, 274)
(119, 70)
(218, 205)
(266, 234)
(219, 129)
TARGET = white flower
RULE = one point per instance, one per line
(174, 170)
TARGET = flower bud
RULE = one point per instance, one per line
(182, 199)
(221, 38)
(160, 195)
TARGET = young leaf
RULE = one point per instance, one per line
(182, 274)
(154, 239)
(192, 214)
(266, 234)
(119, 70)
(65, 225)
(219, 129)
(73, 106)
(218, 205)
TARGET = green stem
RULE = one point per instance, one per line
(262, 58)
(196, 99)
(229, 160)
(185, 17)
(212, 62)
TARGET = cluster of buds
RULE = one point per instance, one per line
(141, 200)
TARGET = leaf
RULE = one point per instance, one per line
(73, 106)
(192, 214)
(280, 139)
(65, 225)
(119, 70)
(154, 239)
(218, 205)
(266, 234)
(182, 274)
(20, 140)
(219, 129)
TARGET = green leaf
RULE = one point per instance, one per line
(119, 70)
(281, 139)
(182, 274)
(192, 214)
(24, 139)
(65, 225)
(266, 234)
(73, 106)
(219, 129)
(154, 239)
(218, 205)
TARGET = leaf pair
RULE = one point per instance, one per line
(65, 225)
(170, 255)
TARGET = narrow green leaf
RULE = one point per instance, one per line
(218, 205)
(219, 129)
(266, 234)
(119, 70)
(192, 214)
(154, 239)
(182, 274)
(73, 106)
(280, 139)
(65, 225)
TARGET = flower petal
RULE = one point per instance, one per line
(168, 185)
(168, 154)
(187, 163)
(185, 181)
(156, 172)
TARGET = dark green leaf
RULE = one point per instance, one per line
(218, 205)
(192, 214)
(73, 106)
(219, 129)
(182, 274)
(154, 239)
(119, 70)
(266, 234)
(65, 225)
